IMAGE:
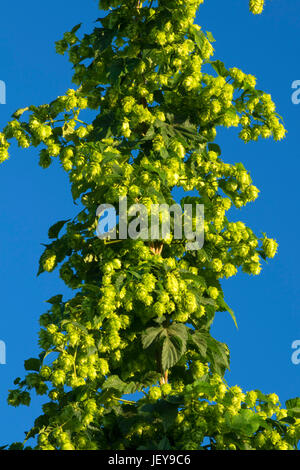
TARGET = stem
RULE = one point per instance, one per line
(111, 241)
(164, 378)
(124, 401)
(156, 247)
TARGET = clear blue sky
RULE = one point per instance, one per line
(32, 199)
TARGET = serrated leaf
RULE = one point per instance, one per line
(210, 36)
(32, 364)
(164, 444)
(56, 299)
(293, 407)
(262, 254)
(200, 341)
(292, 403)
(150, 379)
(240, 166)
(218, 355)
(91, 287)
(116, 70)
(117, 384)
(104, 37)
(214, 148)
(53, 231)
(130, 388)
(172, 351)
(76, 324)
(226, 308)
(180, 330)
(194, 277)
(245, 422)
(150, 335)
(17, 114)
(73, 30)
(164, 153)
(199, 38)
(114, 382)
(220, 68)
(120, 281)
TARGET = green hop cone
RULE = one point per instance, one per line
(216, 265)
(155, 393)
(48, 260)
(213, 292)
(45, 372)
(103, 366)
(159, 309)
(166, 389)
(270, 247)
(229, 270)
(256, 6)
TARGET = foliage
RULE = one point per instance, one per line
(140, 317)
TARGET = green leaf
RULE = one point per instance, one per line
(201, 386)
(167, 411)
(240, 166)
(262, 254)
(245, 422)
(226, 308)
(114, 382)
(116, 70)
(149, 379)
(76, 324)
(202, 300)
(120, 281)
(56, 228)
(56, 299)
(210, 36)
(218, 355)
(214, 148)
(199, 38)
(130, 388)
(164, 153)
(200, 340)
(73, 30)
(220, 68)
(19, 112)
(172, 351)
(174, 342)
(150, 335)
(104, 37)
(293, 407)
(90, 287)
(194, 277)
(164, 444)
(180, 330)
(32, 364)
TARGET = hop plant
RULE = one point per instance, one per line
(140, 314)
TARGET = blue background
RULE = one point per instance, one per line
(32, 199)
